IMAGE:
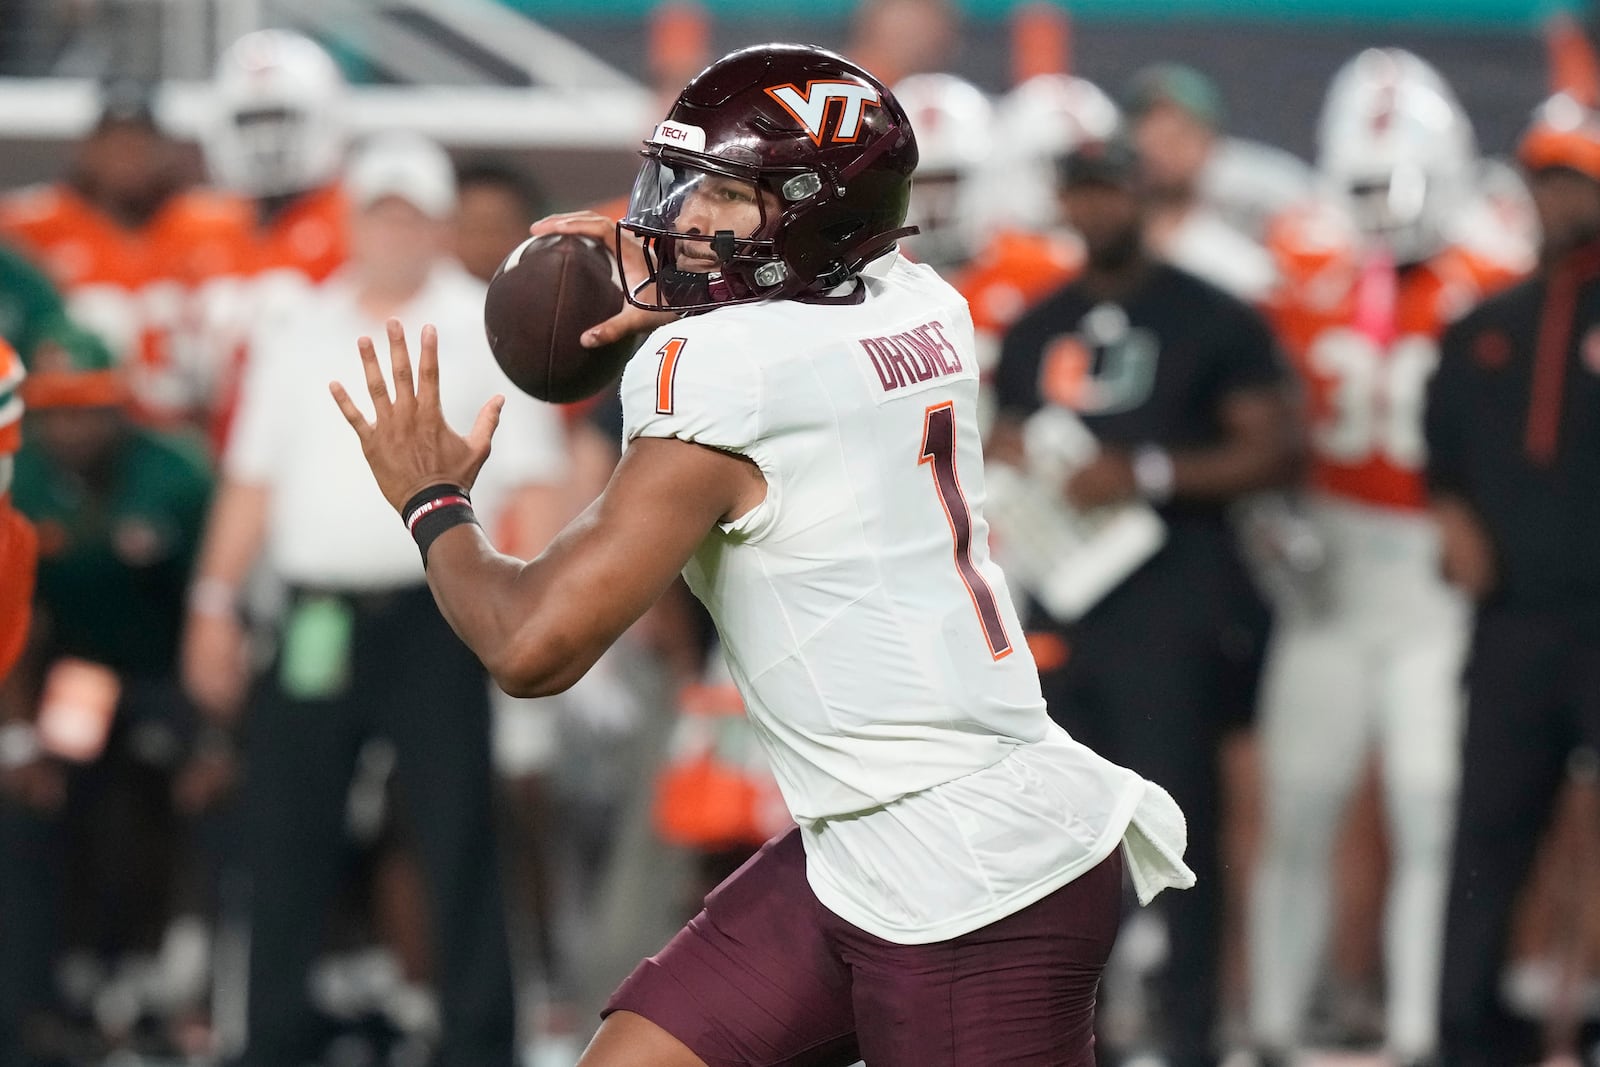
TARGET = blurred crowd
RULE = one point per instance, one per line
(1294, 461)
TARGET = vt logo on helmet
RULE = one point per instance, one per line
(810, 108)
(755, 188)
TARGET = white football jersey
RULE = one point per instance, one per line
(873, 639)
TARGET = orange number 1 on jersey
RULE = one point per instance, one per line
(665, 373)
(939, 449)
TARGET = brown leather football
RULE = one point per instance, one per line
(549, 290)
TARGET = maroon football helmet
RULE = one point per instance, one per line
(829, 154)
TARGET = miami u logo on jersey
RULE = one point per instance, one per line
(810, 107)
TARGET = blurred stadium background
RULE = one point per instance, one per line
(563, 91)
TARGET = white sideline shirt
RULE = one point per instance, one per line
(872, 637)
(328, 525)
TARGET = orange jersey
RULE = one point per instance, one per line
(310, 236)
(130, 286)
(1364, 339)
(19, 554)
(18, 544)
(1014, 271)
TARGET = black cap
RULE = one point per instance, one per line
(1110, 162)
(129, 101)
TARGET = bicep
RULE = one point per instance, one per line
(1257, 410)
(613, 561)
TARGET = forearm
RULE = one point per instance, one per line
(235, 532)
(536, 625)
(1261, 449)
(478, 592)
(1230, 471)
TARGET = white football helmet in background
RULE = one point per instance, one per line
(278, 128)
(954, 124)
(1397, 146)
(1038, 122)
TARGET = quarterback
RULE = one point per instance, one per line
(802, 444)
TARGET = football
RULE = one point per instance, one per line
(548, 291)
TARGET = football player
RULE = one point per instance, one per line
(276, 141)
(127, 246)
(955, 131)
(1175, 118)
(801, 442)
(1371, 278)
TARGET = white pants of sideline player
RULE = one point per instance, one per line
(1376, 661)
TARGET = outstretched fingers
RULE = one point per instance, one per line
(428, 369)
(374, 375)
(400, 363)
(352, 414)
(483, 427)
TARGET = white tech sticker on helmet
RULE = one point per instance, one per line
(680, 135)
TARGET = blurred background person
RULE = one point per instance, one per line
(274, 142)
(126, 240)
(898, 38)
(954, 121)
(1370, 655)
(119, 509)
(1513, 479)
(1181, 385)
(1174, 115)
(362, 651)
(497, 204)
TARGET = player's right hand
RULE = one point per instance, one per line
(214, 663)
(630, 320)
(1466, 554)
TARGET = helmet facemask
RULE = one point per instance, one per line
(271, 144)
(708, 227)
(1401, 211)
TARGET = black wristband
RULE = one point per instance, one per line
(433, 511)
(428, 496)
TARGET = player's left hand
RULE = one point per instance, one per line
(1106, 479)
(408, 444)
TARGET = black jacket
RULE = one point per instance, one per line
(1513, 427)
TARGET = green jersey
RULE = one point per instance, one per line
(114, 563)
